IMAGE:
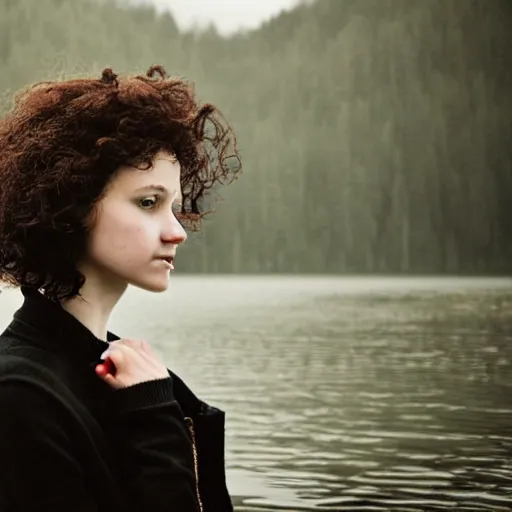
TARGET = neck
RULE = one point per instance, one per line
(98, 297)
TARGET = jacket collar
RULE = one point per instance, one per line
(46, 322)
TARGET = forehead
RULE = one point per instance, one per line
(165, 172)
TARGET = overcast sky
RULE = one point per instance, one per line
(227, 15)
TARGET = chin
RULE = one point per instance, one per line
(154, 286)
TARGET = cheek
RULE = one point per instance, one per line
(122, 237)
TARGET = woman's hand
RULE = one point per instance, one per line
(130, 362)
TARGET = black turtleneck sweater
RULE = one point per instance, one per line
(69, 442)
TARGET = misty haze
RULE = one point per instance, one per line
(349, 301)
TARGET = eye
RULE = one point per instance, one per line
(148, 202)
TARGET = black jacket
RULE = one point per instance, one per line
(69, 442)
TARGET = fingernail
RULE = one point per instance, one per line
(104, 354)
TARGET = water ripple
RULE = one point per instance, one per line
(369, 394)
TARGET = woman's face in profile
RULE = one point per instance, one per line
(135, 227)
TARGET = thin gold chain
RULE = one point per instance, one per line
(190, 424)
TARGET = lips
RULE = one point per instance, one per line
(168, 259)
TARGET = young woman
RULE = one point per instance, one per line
(98, 177)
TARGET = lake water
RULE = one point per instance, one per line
(344, 393)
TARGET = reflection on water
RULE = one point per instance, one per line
(345, 394)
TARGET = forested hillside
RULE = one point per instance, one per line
(376, 135)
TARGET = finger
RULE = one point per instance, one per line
(106, 367)
(114, 356)
(100, 370)
(109, 366)
(112, 382)
(138, 345)
(119, 345)
(107, 377)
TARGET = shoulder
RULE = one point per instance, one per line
(18, 371)
(22, 356)
(30, 383)
(27, 404)
(20, 367)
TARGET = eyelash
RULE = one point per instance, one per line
(157, 198)
(176, 207)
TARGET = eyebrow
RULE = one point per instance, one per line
(159, 188)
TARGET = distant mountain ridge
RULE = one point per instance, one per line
(375, 133)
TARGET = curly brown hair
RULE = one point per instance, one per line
(61, 144)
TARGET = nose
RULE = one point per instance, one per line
(173, 232)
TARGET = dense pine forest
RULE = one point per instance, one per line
(375, 135)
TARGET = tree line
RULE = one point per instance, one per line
(375, 134)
